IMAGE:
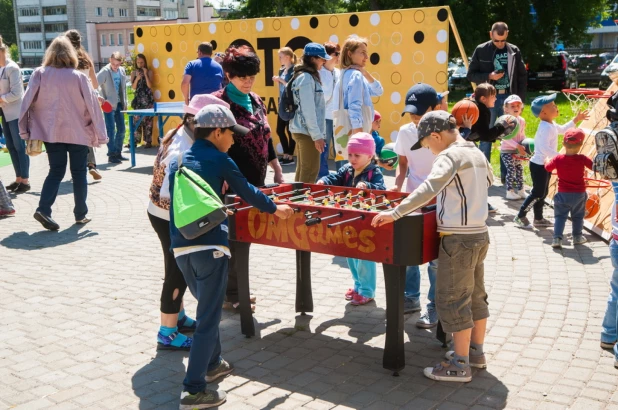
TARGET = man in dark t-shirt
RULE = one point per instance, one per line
(202, 76)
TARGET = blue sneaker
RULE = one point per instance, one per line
(183, 328)
(428, 320)
(120, 157)
(165, 342)
(114, 160)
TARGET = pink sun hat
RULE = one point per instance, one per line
(200, 101)
(362, 143)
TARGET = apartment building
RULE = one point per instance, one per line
(38, 22)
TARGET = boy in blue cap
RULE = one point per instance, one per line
(545, 147)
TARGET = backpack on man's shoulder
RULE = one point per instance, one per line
(287, 108)
(605, 162)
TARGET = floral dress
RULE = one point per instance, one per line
(143, 99)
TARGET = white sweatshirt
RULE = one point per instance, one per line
(546, 140)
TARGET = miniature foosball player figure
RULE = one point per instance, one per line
(363, 173)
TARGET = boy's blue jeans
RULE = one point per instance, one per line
(413, 283)
(206, 275)
(364, 276)
(610, 321)
(565, 203)
(114, 122)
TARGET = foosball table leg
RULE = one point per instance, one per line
(394, 282)
(304, 295)
(241, 254)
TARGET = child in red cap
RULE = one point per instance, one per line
(571, 197)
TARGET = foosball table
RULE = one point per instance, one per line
(336, 221)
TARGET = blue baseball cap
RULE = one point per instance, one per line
(419, 98)
(316, 50)
(539, 102)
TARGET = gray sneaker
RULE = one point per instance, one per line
(428, 320)
(542, 223)
(202, 400)
(556, 243)
(579, 239)
(522, 222)
(448, 372)
(480, 362)
(221, 370)
(411, 305)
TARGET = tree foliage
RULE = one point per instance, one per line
(7, 22)
(555, 20)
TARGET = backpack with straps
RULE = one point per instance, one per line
(605, 162)
(287, 108)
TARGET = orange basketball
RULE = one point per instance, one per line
(593, 205)
(465, 107)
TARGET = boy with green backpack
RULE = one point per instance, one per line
(202, 251)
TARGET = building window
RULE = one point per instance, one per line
(48, 43)
(148, 12)
(103, 40)
(123, 12)
(110, 12)
(131, 39)
(54, 11)
(120, 42)
(30, 28)
(171, 13)
(29, 11)
(111, 40)
(98, 11)
(31, 45)
(56, 27)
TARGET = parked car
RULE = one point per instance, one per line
(589, 68)
(551, 72)
(458, 79)
(605, 82)
(25, 75)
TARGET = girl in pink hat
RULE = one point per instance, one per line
(360, 172)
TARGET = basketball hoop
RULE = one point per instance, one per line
(583, 99)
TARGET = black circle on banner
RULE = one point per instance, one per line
(419, 37)
(442, 14)
(374, 58)
(314, 22)
(168, 47)
(354, 20)
(214, 44)
(171, 94)
(139, 32)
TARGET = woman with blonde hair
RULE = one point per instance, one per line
(288, 60)
(141, 82)
(11, 94)
(61, 109)
(358, 86)
(86, 66)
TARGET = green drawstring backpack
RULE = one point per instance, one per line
(197, 208)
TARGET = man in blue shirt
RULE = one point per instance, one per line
(202, 76)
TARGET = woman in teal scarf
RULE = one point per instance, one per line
(254, 152)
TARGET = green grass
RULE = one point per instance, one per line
(5, 159)
(531, 125)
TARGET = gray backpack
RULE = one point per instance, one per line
(605, 163)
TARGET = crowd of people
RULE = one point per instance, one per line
(226, 141)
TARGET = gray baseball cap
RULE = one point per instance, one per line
(218, 116)
(434, 121)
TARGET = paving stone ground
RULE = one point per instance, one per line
(79, 316)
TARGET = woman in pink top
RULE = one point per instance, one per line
(61, 109)
(511, 149)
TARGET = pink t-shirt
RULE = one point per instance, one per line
(511, 145)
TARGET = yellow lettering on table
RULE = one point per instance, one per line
(349, 233)
(298, 235)
(316, 234)
(278, 228)
(259, 232)
(368, 246)
(334, 235)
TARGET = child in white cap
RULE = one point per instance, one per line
(511, 150)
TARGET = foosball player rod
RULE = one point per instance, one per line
(310, 214)
(394, 200)
(305, 195)
(315, 221)
(360, 217)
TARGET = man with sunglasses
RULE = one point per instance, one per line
(501, 64)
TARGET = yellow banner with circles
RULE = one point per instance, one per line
(405, 47)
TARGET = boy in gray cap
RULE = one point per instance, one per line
(459, 177)
(204, 260)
